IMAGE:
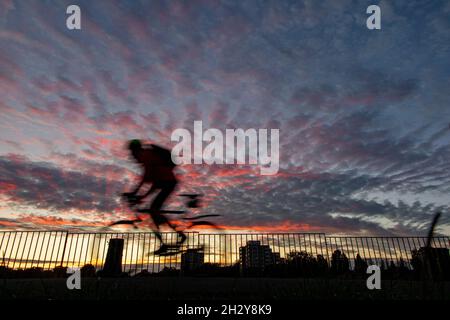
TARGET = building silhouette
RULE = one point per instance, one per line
(192, 259)
(113, 261)
(256, 256)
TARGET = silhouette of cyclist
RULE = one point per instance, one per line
(158, 171)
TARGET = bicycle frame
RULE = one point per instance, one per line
(133, 202)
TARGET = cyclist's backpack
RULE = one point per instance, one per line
(164, 154)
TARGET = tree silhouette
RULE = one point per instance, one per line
(360, 265)
(339, 263)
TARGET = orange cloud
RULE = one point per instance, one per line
(285, 226)
(56, 221)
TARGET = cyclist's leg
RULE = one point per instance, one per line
(158, 220)
(166, 190)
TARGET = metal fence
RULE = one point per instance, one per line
(49, 249)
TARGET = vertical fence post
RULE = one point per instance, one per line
(64, 248)
(326, 251)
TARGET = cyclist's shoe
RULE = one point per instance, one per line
(162, 249)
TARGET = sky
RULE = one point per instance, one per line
(364, 115)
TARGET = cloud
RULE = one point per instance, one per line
(363, 116)
(45, 186)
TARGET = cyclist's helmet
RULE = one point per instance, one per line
(135, 145)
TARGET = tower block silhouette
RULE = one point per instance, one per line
(113, 261)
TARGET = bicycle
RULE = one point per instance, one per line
(193, 201)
